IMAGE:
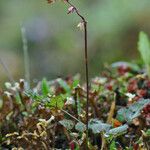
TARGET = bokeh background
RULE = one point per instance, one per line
(55, 43)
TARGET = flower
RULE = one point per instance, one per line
(71, 10)
(81, 25)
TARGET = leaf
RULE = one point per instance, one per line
(144, 48)
(80, 127)
(97, 126)
(18, 99)
(76, 80)
(35, 96)
(148, 132)
(64, 85)
(117, 131)
(133, 111)
(68, 124)
(113, 145)
(75, 83)
(45, 87)
(57, 101)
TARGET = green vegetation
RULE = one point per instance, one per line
(108, 112)
(53, 113)
(144, 48)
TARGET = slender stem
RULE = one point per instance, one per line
(77, 12)
(87, 72)
(26, 56)
(71, 115)
(86, 64)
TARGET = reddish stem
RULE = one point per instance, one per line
(86, 65)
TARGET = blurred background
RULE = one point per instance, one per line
(55, 43)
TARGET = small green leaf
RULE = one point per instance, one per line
(18, 99)
(113, 145)
(148, 132)
(45, 87)
(64, 85)
(68, 124)
(76, 80)
(80, 127)
(57, 101)
(144, 48)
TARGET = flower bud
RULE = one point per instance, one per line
(71, 10)
(81, 25)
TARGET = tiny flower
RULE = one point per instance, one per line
(81, 25)
(71, 10)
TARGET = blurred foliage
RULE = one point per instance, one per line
(55, 44)
(52, 115)
(144, 48)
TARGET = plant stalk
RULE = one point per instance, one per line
(26, 56)
(86, 67)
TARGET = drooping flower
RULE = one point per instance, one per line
(81, 25)
(71, 10)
